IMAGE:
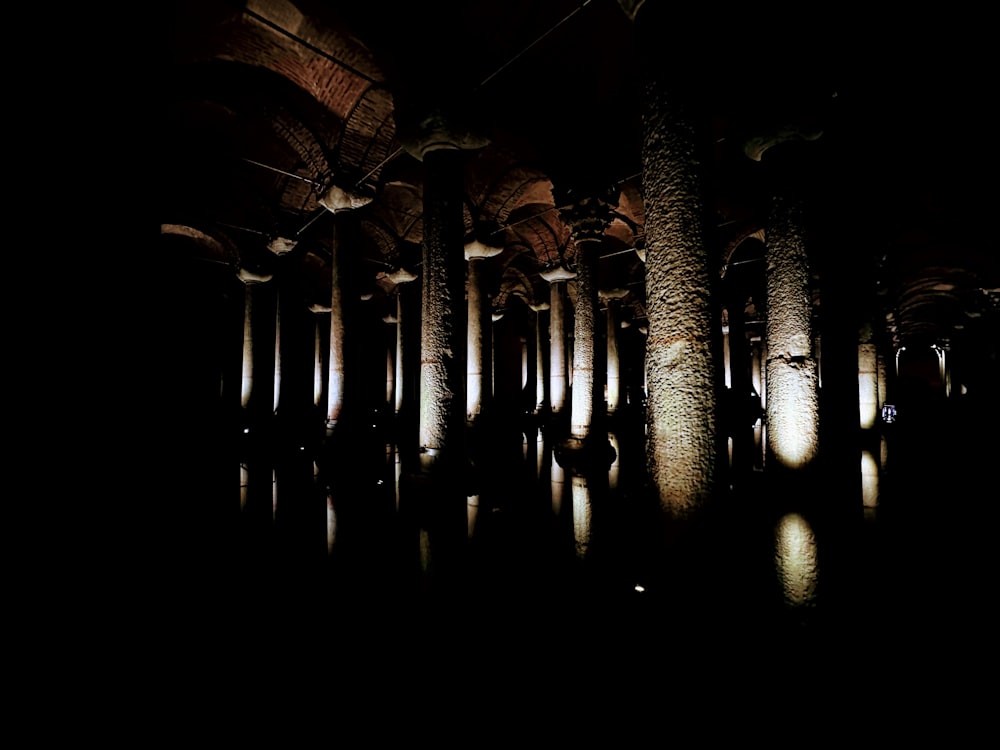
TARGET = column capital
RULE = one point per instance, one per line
(631, 7)
(400, 276)
(755, 145)
(336, 199)
(477, 249)
(609, 294)
(589, 216)
(249, 276)
(558, 272)
(438, 131)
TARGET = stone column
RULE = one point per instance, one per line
(254, 389)
(681, 367)
(437, 495)
(444, 341)
(558, 384)
(540, 401)
(337, 201)
(479, 356)
(611, 299)
(589, 218)
(791, 367)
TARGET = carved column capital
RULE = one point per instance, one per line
(590, 215)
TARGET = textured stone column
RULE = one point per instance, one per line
(868, 386)
(589, 218)
(444, 314)
(585, 341)
(479, 356)
(558, 383)
(682, 447)
(791, 367)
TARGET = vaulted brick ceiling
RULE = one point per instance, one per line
(267, 104)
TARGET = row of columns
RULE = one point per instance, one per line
(684, 440)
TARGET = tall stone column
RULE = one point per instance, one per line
(589, 218)
(681, 367)
(436, 495)
(444, 341)
(255, 389)
(479, 355)
(337, 201)
(540, 342)
(791, 367)
(741, 389)
(558, 376)
(611, 298)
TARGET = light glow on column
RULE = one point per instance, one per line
(244, 486)
(868, 402)
(557, 478)
(277, 355)
(615, 467)
(869, 483)
(331, 524)
(796, 560)
(274, 495)
(247, 383)
(582, 512)
(793, 412)
(317, 367)
(472, 515)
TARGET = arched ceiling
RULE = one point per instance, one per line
(268, 104)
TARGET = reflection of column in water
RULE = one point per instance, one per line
(539, 463)
(613, 469)
(796, 560)
(274, 494)
(581, 515)
(472, 506)
(396, 469)
(244, 486)
(869, 484)
(558, 477)
(331, 523)
(425, 550)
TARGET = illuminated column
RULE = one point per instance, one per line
(557, 277)
(741, 383)
(868, 386)
(759, 386)
(319, 355)
(479, 356)
(791, 367)
(588, 218)
(682, 446)
(539, 356)
(253, 391)
(337, 201)
(444, 314)
(611, 297)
